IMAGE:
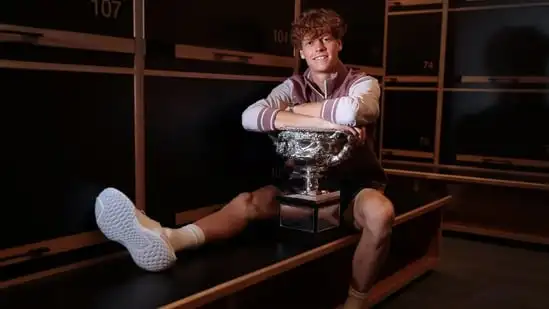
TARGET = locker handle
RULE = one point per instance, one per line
(239, 58)
(502, 80)
(495, 161)
(19, 36)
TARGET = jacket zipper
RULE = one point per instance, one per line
(325, 95)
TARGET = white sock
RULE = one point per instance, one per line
(188, 236)
(355, 300)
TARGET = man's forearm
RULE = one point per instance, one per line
(285, 119)
(313, 109)
(360, 106)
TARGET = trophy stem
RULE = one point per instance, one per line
(311, 181)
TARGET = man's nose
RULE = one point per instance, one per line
(319, 45)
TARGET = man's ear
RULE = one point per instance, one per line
(301, 54)
(340, 45)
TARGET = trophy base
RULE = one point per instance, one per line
(310, 213)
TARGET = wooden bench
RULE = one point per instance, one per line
(488, 202)
(265, 266)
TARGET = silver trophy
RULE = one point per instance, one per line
(310, 153)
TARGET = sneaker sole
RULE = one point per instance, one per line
(115, 217)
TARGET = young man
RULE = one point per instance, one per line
(327, 96)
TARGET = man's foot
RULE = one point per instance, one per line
(119, 221)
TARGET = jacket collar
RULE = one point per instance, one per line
(331, 84)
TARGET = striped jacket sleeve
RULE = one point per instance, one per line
(360, 106)
(260, 115)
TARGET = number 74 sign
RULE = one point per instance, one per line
(428, 65)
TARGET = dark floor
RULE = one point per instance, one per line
(478, 274)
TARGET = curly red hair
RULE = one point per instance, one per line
(317, 22)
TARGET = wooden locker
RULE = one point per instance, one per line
(68, 136)
(409, 125)
(510, 50)
(496, 129)
(240, 37)
(101, 17)
(413, 46)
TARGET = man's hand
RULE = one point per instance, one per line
(263, 202)
(361, 134)
(358, 132)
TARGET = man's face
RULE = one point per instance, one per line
(321, 53)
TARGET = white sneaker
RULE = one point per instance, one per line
(116, 217)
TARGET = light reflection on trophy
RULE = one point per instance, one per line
(311, 152)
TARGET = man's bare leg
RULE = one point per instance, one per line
(374, 215)
(235, 216)
(153, 247)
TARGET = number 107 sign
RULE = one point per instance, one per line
(109, 9)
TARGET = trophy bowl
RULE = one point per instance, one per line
(311, 152)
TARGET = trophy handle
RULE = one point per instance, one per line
(345, 151)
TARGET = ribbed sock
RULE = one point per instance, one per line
(188, 236)
(355, 300)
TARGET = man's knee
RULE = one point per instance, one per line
(374, 212)
(264, 203)
(258, 204)
(240, 205)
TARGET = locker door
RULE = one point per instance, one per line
(409, 124)
(67, 135)
(101, 17)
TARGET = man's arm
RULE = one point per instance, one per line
(269, 114)
(360, 106)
